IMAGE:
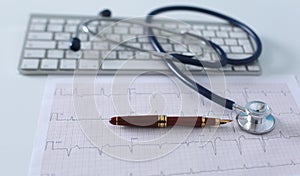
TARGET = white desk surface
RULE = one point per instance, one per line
(275, 21)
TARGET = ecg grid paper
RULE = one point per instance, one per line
(63, 148)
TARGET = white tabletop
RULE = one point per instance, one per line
(275, 21)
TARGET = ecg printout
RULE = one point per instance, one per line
(69, 145)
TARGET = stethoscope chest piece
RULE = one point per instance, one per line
(256, 119)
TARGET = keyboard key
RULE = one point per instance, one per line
(136, 30)
(129, 38)
(49, 64)
(240, 68)
(226, 28)
(66, 64)
(121, 30)
(74, 21)
(213, 27)
(62, 36)
(41, 44)
(141, 55)
(88, 64)
(40, 35)
(100, 45)
(55, 28)
(34, 53)
(218, 41)
(70, 28)
(73, 55)
(37, 27)
(133, 65)
(30, 64)
(63, 44)
(248, 48)
(238, 56)
(237, 35)
(231, 41)
(222, 34)
(39, 20)
(57, 21)
(236, 49)
(253, 68)
(55, 54)
(90, 54)
(109, 55)
(125, 54)
(209, 34)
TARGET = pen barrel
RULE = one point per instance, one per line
(163, 121)
(193, 121)
(141, 121)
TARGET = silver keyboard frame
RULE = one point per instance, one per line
(111, 72)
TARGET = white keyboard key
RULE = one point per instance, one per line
(34, 53)
(240, 68)
(198, 27)
(180, 48)
(37, 27)
(55, 54)
(236, 49)
(129, 38)
(121, 30)
(40, 35)
(212, 27)
(231, 41)
(90, 54)
(237, 35)
(225, 49)
(73, 55)
(86, 45)
(55, 28)
(114, 37)
(57, 21)
(88, 64)
(49, 64)
(125, 54)
(83, 37)
(62, 36)
(63, 45)
(141, 55)
(209, 34)
(223, 34)
(238, 56)
(70, 28)
(147, 46)
(136, 30)
(218, 41)
(244, 42)
(40, 44)
(66, 64)
(133, 65)
(39, 20)
(30, 64)
(100, 45)
(253, 68)
(226, 28)
(167, 47)
(109, 55)
(73, 21)
(248, 48)
(136, 45)
(227, 67)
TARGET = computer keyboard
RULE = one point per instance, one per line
(46, 48)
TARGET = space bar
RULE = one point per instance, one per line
(133, 65)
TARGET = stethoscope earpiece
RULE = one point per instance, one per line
(105, 13)
(257, 118)
(75, 44)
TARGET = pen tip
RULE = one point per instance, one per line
(224, 121)
(112, 121)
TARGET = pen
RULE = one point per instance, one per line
(162, 121)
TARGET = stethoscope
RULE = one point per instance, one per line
(255, 117)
